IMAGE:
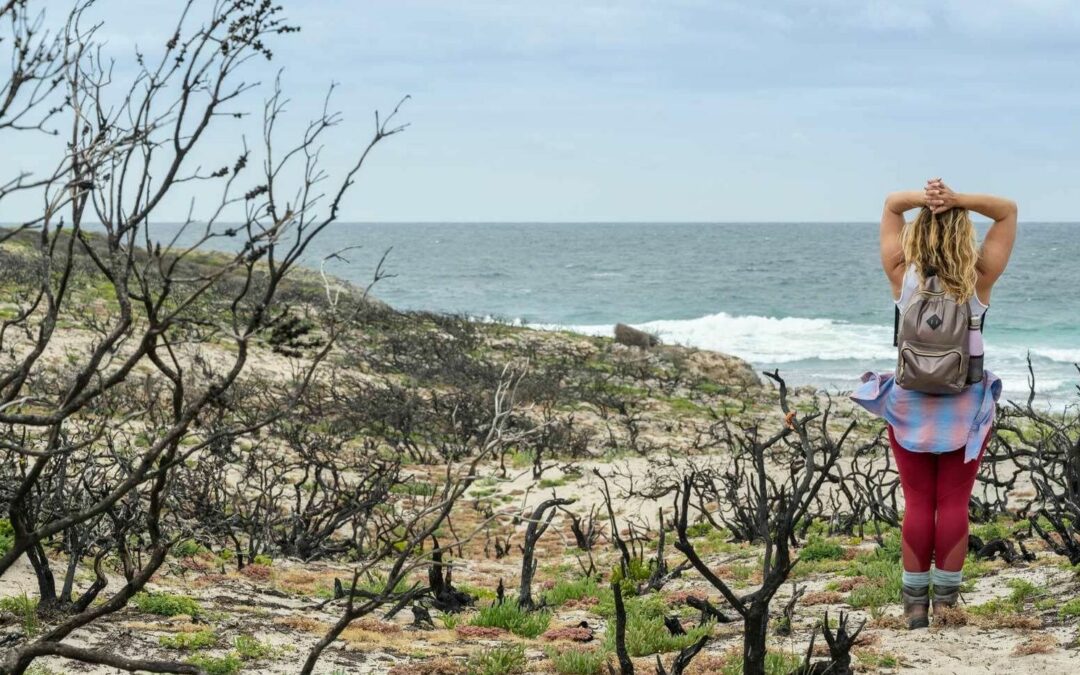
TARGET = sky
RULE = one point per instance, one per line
(680, 110)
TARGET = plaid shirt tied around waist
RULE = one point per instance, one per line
(932, 423)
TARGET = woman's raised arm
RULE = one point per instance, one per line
(892, 223)
(997, 246)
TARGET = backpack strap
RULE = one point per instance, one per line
(896, 327)
(977, 321)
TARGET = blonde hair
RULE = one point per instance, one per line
(943, 244)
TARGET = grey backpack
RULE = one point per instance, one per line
(932, 339)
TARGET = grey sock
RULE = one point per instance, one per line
(943, 578)
(916, 579)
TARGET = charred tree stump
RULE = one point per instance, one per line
(709, 612)
(840, 643)
(683, 659)
(788, 620)
(538, 524)
(445, 597)
(626, 666)
(422, 618)
(673, 625)
(584, 535)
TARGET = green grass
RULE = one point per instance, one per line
(1022, 591)
(576, 661)
(875, 660)
(187, 548)
(414, 488)
(249, 649)
(699, 529)
(776, 663)
(189, 641)
(376, 583)
(574, 589)
(478, 592)
(25, 608)
(684, 406)
(973, 569)
(1070, 608)
(637, 570)
(819, 548)
(450, 621)
(520, 459)
(217, 665)
(166, 604)
(710, 388)
(710, 540)
(645, 630)
(497, 661)
(882, 567)
(995, 607)
(510, 617)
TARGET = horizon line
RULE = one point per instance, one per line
(343, 221)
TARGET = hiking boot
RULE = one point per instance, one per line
(916, 606)
(945, 597)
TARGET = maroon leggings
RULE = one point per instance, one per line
(937, 488)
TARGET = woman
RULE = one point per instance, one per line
(938, 440)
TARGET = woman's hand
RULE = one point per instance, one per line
(939, 197)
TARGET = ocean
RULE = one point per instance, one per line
(807, 298)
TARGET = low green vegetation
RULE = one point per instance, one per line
(637, 571)
(25, 608)
(188, 548)
(876, 659)
(776, 663)
(497, 661)
(414, 488)
(217, 665)
(166, 604)
(576, 589)
(710, 540)
(376, 583)
(1070, 608)
(820, 548)
(1022, 592)
(645, 630)
(994, 607)
(882, 568)
(189, 641)
(576, 661)
(249, 649)
(450, 621)
(509, 616)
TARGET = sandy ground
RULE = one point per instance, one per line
(288, 620)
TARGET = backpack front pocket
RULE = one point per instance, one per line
(931, 369)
